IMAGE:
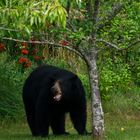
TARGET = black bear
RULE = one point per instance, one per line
(48, 93)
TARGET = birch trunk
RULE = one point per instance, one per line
(97, 111)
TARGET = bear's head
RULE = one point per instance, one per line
(65, 87)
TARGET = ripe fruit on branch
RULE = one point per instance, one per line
(24, 51)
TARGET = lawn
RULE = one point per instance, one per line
(116, 128)
(122, 128)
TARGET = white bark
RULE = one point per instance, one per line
(97, 111)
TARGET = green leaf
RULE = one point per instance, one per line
(27, 30)
(32, 21)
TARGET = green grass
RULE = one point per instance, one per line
(113, 125)
(20, 131)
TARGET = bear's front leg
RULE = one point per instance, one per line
(42, 117)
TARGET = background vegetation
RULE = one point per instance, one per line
(119, 71)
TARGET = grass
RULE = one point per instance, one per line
(20, 131)
(126, 128)
(118, 126)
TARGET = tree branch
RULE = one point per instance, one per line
(95, 18)
(96, 11)
(115, 46)
(115, 10)
(46, 42)
(131, 45)
(108, 44)
(88, 6)
(134, 43)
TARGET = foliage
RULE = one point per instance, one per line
(9, 70)
(64, 22)
(55, 12)
(85, 81)
(27, 15)
(11, 82)
(46, 20)
(85, 27)
(124, 28)
(10, 102)
(134, 62)
(114, 77)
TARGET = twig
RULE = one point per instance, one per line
(111, 45)
(134, 43)
(131, 45)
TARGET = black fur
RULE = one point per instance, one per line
(43, 111)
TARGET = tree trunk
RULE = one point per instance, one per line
(97, 111)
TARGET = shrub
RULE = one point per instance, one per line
(114, 78)
(10, 101)
(85, 81)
